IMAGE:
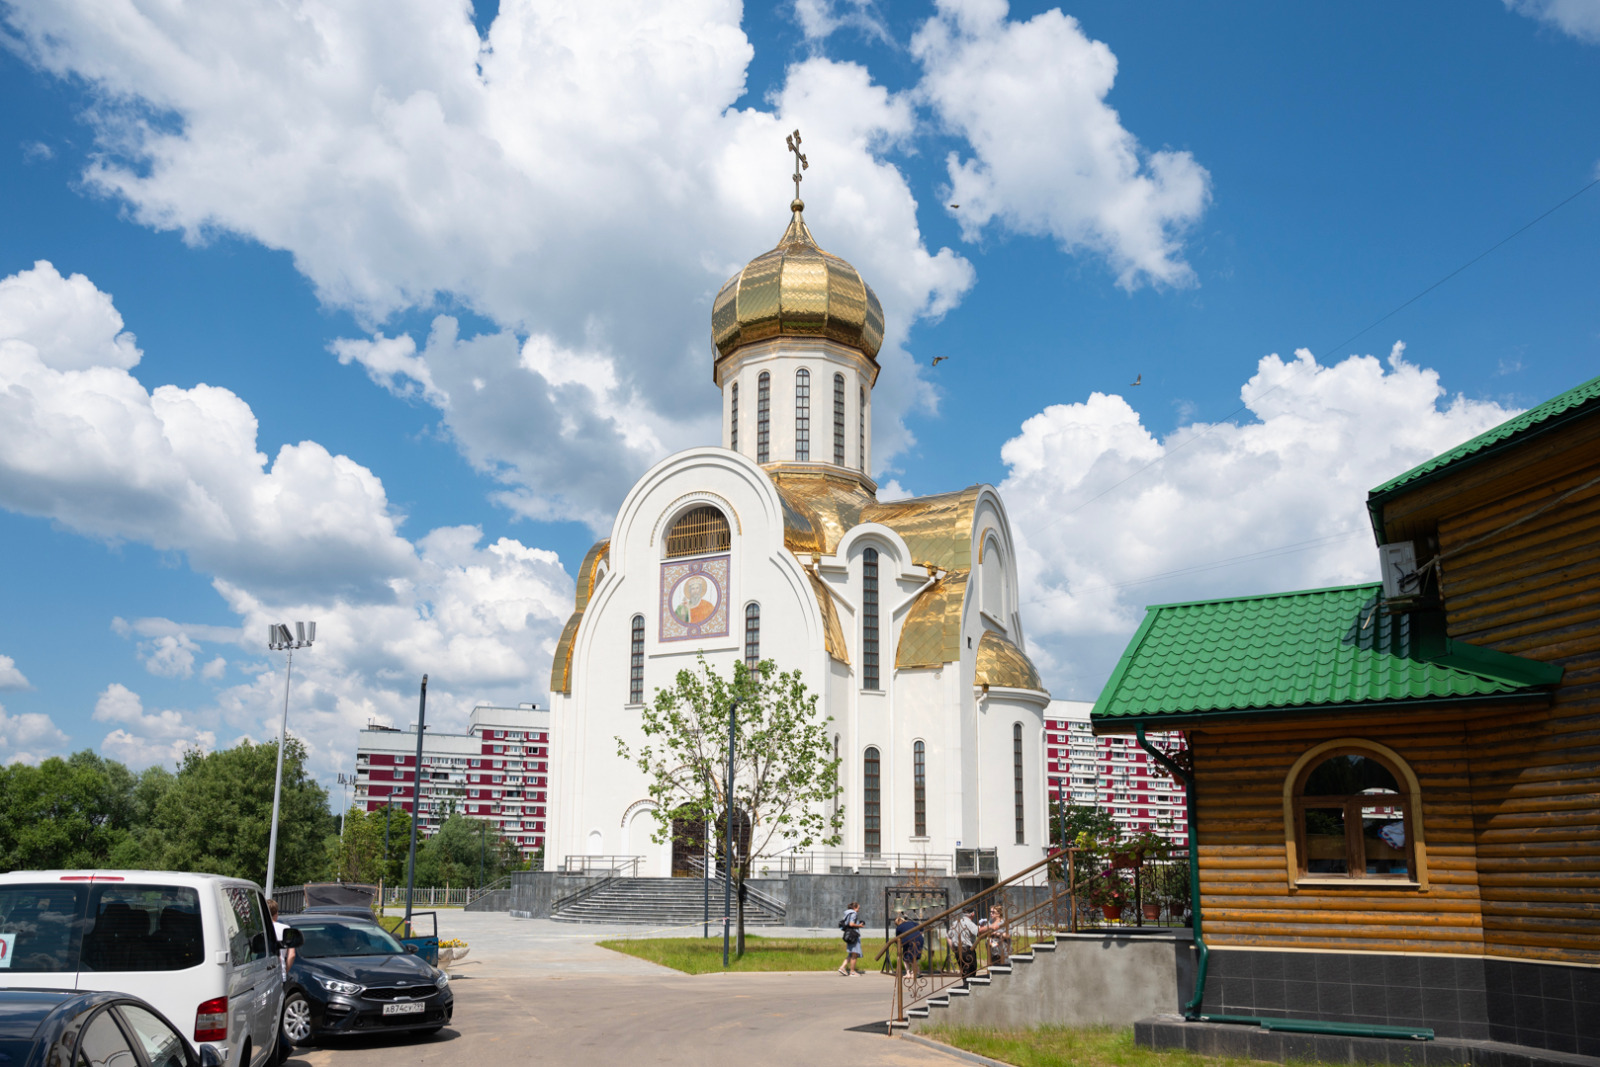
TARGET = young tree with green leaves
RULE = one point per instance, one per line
(785, 775)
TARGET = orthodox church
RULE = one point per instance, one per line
(903, 616)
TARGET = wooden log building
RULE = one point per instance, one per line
(1396, 787)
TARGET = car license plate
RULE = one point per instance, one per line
(403, 1009)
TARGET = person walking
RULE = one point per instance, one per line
(851, 924)
(999, 937)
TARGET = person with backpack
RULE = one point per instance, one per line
(851, 925)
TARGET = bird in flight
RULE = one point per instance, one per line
(939, 359)
(957, 206)
(1137, 379)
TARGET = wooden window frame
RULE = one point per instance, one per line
(1409, 801)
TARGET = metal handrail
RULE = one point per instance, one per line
(1035, 904)
(581, 894)
(622, 866)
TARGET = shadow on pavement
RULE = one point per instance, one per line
(373, 1039)
(868, 1028)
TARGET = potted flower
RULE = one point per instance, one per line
(1109, 890)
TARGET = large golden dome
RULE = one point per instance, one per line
(797, 290)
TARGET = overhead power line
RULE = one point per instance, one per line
(1380, 320)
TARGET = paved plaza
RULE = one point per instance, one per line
(532, 989)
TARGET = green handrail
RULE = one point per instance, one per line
(1192, 1009)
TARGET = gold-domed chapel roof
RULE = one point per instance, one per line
(797, 290)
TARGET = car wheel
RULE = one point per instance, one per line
(296, 1028)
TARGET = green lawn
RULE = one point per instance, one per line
(695, 955)
(1064, 1046)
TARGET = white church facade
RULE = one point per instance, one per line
(902, 615)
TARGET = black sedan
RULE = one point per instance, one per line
(46, 1027)
(350, 976)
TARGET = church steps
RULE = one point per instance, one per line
(661, 902)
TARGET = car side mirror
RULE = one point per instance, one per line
(412, 949)
(209, 1057)
(293, 938)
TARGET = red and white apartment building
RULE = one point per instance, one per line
(497, 771)
(1112, 773)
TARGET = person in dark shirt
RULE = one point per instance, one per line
(910, 947)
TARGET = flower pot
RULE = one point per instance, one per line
(445, 956)
(1152, 912)
(1112, 912)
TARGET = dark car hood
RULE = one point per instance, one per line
(367, 970)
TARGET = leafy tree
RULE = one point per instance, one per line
(65, 813)
(454, 854)
(216, 816)
(358, 853)
(784, 772)
(1098, 823)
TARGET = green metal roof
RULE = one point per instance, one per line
(1314, 649)
(1552, 411)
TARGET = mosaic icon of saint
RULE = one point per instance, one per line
(694, 609)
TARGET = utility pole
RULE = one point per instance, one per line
(727, 881)
(416, 804)
(483, 846)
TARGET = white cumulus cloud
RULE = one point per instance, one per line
(171, 656)
(1575, 18)
(30, 737)
(1049, 156)
(10, 676)
(1273, 502)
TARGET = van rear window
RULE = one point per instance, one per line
(41, 927)
(94, 927)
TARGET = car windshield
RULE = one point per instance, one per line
(333, 938)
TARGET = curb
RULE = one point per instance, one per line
(959, 1053)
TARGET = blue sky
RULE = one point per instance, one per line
(1258, 179)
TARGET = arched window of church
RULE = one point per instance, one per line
(838, 419)
(991, 574)
(636, 663)
(871, 820)
(733, 418)
(861, 443)
(869, 619)
(763, 416)
(699, 532)
(752, 635)
(802, 415)
(1016, 782)
(919, 789)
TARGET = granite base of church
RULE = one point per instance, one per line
(810, 900)
(1461, 998)
(1172, 1032)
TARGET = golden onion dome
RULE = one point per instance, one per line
(797, 290)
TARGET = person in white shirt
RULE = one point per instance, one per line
(285, 955)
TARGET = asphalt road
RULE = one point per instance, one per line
(538, 991)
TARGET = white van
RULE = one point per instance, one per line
(197, 946)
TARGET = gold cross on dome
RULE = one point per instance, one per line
(800, 163)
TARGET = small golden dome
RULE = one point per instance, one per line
(797, 290)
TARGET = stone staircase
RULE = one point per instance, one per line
(979, 985)
(659, 902)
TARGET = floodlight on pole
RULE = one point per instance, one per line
(279, 639)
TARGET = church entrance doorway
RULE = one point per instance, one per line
(688, 847)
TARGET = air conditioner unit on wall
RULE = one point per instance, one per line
(1398, 563)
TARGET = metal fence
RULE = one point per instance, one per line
(966, 861)
(1119, 892)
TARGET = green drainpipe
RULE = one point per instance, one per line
(1192, 1009)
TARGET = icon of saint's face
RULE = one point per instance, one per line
(694, 609)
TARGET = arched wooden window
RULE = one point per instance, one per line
(763, 417)
(733, 417)
(699, 532)
(752, 635)
(838, 419)
(636, 663)
(869, 619)
(861, 443)
(919, 789)
(802, 414)
(1016, 783)
(1353, 810)
(871, 821)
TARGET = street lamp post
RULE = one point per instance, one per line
(727, 883)
(416, 804)
(279, 639)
